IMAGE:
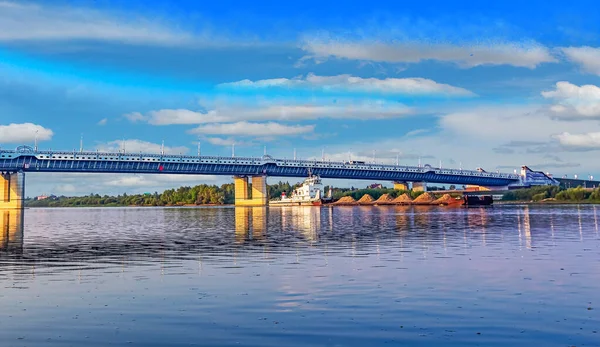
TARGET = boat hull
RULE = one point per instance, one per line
(296, 203)
(477, 201)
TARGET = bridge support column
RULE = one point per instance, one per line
(400, 185)
(419, 186)
(241, 188)
(259, 191)
(12, 190)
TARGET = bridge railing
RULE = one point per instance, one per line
(421, 169)
(125, 154)
(264, 160)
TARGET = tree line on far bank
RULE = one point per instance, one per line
(542, 193)
(204, 194)
(198, 195)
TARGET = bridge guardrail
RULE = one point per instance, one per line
(258, 161)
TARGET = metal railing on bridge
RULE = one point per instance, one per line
(28, 160)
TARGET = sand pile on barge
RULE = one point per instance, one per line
(385, 199)
(366, 200)
(346, 200)
(424, 199)
(403, 199)
(446, 199)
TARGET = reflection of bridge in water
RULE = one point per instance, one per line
(11, 230)
(223, 231)
(251, 223)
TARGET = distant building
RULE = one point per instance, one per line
(41, 197)
(375, 186)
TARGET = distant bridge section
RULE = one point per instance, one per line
(25, 159)
(574, 183)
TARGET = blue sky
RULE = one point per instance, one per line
(468, 83)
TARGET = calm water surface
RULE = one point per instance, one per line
(343, 276)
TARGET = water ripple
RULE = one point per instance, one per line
(331, 276)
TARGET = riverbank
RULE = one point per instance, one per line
(204, 195)
(555, 202)
(141, 206)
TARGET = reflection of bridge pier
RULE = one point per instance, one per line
(525, 227)
(250, 223)
(595, 219)
(11, 230)
(477, 220)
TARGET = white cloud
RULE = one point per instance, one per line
(20, 22)
(136, 146)
(218, 141)
(574, 102)
(223, 113)
(103, 121)
(181, 116)
(410, 86)
(508, 123)
(63, 189)
(493, 122)
(466, 138)
(253, 129)
(579, 141)
(135, 117)
(416, 132)
(586, 57)
(24, 133)
(528, 55)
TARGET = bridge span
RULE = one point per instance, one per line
(25, 159)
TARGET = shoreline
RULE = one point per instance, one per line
(583, 202)
(102, 206)
(498, 203)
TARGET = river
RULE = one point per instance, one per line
(310, 276)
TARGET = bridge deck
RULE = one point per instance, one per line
(97, 162)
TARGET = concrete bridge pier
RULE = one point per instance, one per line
(400, 185)
(12, 190)
(419, 186)
(416, 186)
(259, 194)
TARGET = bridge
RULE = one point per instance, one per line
(14, 164)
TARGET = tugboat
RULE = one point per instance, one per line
(311, 193)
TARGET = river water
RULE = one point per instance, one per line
(331, 276)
